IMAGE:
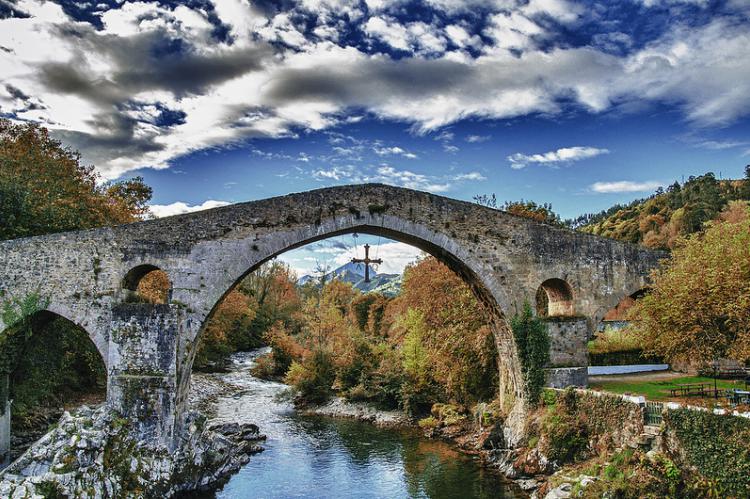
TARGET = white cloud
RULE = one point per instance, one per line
(395, 150)
(415, 36)
(562, 155)
(477, 138)
(666, 3)
(178, 207)
(387, 174)
(469, 176)
(102, 91)
(624, 186)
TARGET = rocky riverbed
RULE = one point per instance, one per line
(90, 453)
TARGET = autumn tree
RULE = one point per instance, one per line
(457, 338)
(44, 188)
(529, 209)
(698, 308)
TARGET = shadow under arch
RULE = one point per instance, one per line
(480, 279)
(49, 363)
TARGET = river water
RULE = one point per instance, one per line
(318, 457)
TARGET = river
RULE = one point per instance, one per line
(318, 457)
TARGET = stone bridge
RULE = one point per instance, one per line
(89, 277)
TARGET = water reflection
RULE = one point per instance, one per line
(315, 457)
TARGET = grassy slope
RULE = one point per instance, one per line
(659, 389)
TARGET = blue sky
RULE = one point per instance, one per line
(580, 104)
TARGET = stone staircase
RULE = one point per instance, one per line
(649, 439)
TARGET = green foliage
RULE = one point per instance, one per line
(660, 220)
(618, 347)
(532, 343)
(57, 362)
(313, 378)
(44, 188)
(16, 310)
(415, 355)
(711, 441)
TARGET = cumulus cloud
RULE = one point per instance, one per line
(624, 186)
(179, 207)
(387, 174)
(395, 150)
(562, 155)
(154, 82)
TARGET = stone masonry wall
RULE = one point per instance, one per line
(142, 382)
(504, 259)
(568, 340)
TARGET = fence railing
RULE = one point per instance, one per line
(652, 413)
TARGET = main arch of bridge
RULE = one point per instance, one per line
(88, 277)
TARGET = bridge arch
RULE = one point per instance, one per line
(37, 351)
(482, 280)
(554, 298)
(147, 282)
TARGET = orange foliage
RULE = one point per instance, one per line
(154, 287)
(46, 189)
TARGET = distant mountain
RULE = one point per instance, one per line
(354, 274)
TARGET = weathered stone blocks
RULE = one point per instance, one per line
(142, 367)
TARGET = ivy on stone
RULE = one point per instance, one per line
(532, 343)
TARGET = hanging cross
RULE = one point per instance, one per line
(366, 260)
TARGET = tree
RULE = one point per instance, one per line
(44, 188)
(698, 308)
(488, 200)
(529, 209)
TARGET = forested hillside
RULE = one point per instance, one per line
(659, 220)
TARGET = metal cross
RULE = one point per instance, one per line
(367, 261)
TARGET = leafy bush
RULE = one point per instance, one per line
(313, 378)
(710, 443)
(614, 340)
(532, 343)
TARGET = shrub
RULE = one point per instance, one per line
(313, 378)
(532, 342)
(710, 442)
(429, 422)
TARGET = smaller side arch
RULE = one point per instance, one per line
(147, 283)
(554, 298)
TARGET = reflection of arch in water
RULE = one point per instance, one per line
(554, 298)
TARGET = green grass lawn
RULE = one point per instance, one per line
(659, 390)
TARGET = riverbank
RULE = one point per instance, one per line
(338, 407)
(339, 449)
(461, 432)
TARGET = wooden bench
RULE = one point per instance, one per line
(690, 389)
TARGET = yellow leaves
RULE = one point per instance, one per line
(697, 309)
(61, 194)
(154, 287)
